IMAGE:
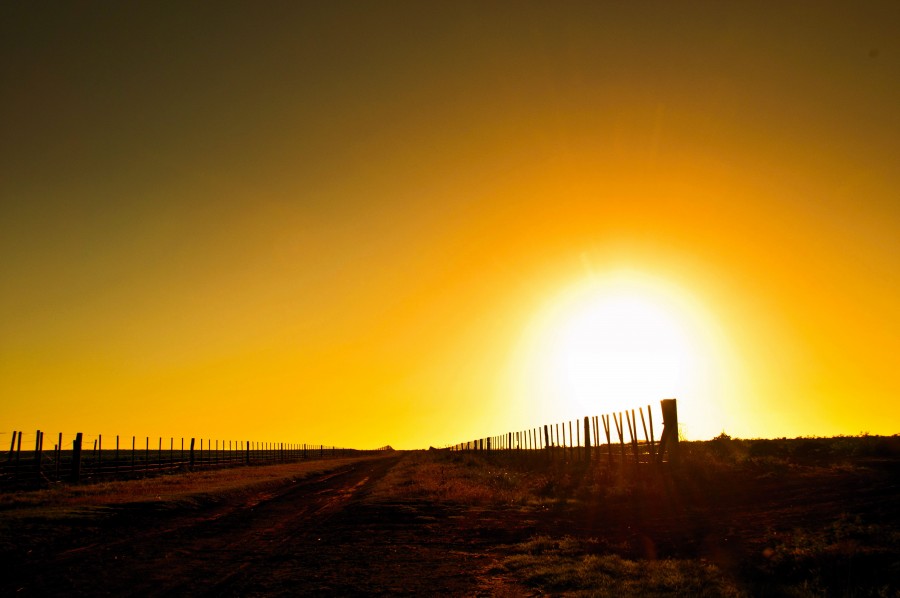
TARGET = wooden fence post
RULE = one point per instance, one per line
(58, 455)
(76, 458)
(647, 436)
(191, 454)
(632, 431)
(669, 438)
(577, 434)
(37, 454)
(634, 437)
(546, 438)
(587, 439)
(12, 451)
(620, 431)
(18, 452)
(605, 419)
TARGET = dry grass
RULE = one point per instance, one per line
(586, 568)
(832, 555)
(456, 477)
(522, 479)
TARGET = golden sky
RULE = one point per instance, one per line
(410, 223)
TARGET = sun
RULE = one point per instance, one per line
(620, 349)
(618, 342)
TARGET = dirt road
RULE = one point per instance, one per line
(314, 536)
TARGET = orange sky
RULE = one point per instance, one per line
(359, 224)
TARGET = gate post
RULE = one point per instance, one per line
(669, 438)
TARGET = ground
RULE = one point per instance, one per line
(429, 523)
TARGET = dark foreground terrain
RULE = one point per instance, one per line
(438, 523)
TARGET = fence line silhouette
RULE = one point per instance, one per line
(37, 465)
(585, 441)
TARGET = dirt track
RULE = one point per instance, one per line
(314, 536)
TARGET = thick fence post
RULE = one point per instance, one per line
(546, 438)
(669, 439)
(191, 454)
(76, 458)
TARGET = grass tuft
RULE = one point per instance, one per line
(570, 565)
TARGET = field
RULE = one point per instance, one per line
(800, 517)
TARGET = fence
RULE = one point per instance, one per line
(584, 439)
(87, 461)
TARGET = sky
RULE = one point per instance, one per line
(419, 223)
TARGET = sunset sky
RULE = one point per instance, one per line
(417, 223)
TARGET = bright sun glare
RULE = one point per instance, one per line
(620, 348)
(618, 343)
